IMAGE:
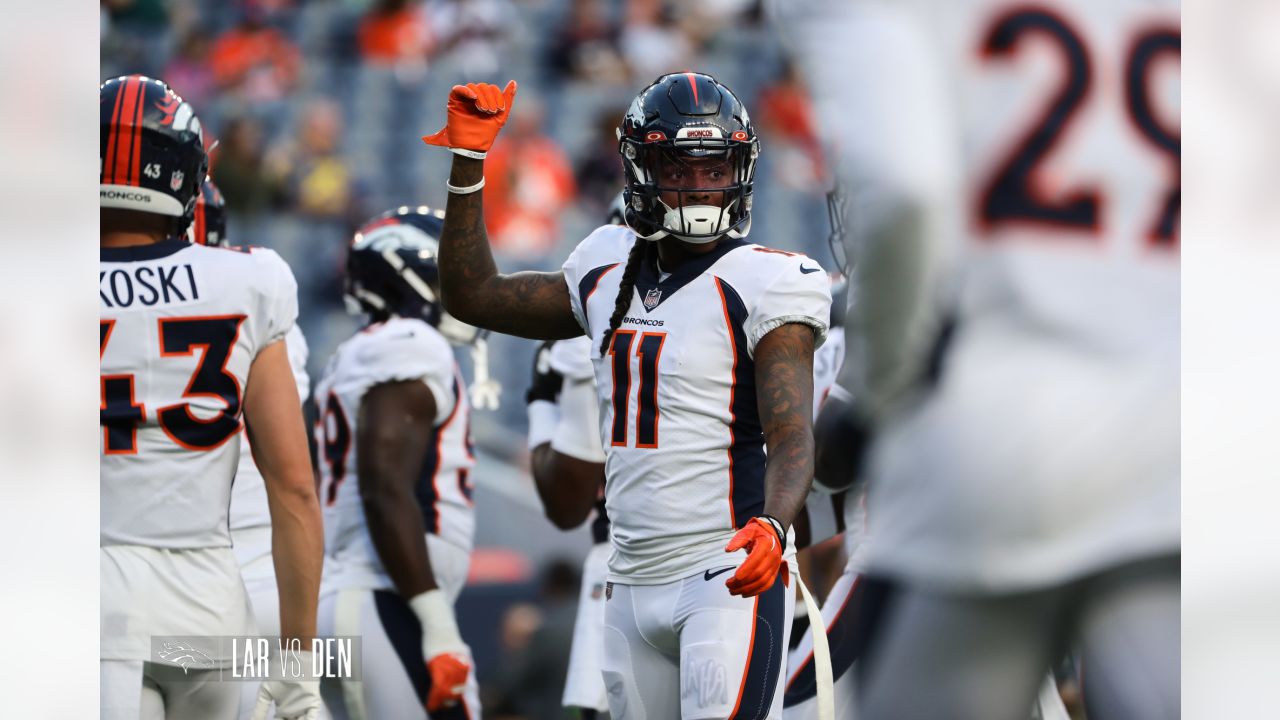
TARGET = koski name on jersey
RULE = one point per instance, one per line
(147, 285)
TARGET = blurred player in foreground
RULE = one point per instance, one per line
(702, 345)
(395, 482)
(1023, 385)
(852, 608)
(567, 463)
(250, 514)
(189, 337)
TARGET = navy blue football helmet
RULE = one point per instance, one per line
(679, 117)
(392, 271)
(151, 154)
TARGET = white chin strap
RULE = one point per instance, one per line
(697, 223)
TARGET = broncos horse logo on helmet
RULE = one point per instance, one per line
(150, 150)
(392, 270)
(679, 117)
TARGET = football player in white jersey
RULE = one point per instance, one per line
(250, 513)
(702, 345)
(853, 606)
(1027, 498)
(394, 435)
(190, 339)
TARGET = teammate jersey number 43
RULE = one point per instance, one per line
(121, 411)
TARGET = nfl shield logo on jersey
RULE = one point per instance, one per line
(652, 298)
(175, 180)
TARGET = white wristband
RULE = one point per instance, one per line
(544, 417)
(473, 154)
(464, 190)
(439, 628)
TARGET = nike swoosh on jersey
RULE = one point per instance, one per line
(806, 270)
(708, 574)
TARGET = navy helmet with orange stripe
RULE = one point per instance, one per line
(151, 149)
(392, 271)
(209, 225)
(680, 117)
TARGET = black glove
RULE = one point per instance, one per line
(546, 382)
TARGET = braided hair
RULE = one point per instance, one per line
(625, 289)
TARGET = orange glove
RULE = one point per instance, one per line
(764, 558)
(442, 648)
(477, 111)
(448, 680)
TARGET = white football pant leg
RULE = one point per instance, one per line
(733, 650)
(584, 683)
(641, 652)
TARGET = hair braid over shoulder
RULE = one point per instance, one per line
(628, 286)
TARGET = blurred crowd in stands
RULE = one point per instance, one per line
(317, 108)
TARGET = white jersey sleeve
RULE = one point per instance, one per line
(578, 432)
(299, 352)
(602, 252)
(572, 358)
(279, 299)
(799, 293)
(406, 351)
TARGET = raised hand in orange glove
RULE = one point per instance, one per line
(477, 111)
(764, 540)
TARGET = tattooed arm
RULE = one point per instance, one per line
(527, 304)
(784, 388)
